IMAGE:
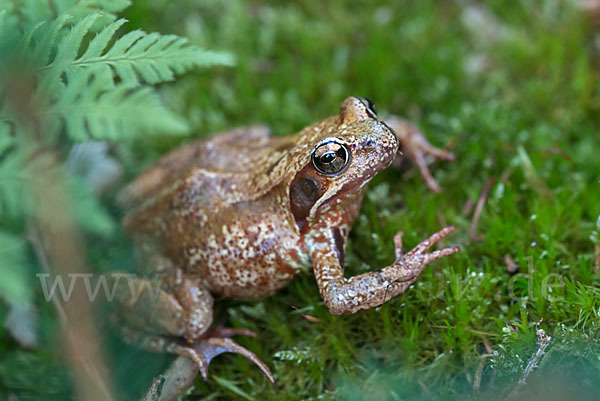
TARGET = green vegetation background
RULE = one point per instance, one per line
(511, 87)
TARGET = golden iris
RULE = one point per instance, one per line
(330, 158)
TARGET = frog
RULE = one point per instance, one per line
(240, 214)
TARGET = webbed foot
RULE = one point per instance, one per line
(215, 343)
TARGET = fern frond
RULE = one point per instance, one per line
(9, 34)
(3, 18)
(157, 58)
(13, 286)
(71, 42)
(15, 181)
(88, 110)
(6, 139)
(6, 5)
(101, 40)
(154, 58)
(112, 6)
(86, 208)
(18, 184)
(47, 34)
(35, 11)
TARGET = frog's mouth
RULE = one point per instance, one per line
(312, 194)
(337, 196)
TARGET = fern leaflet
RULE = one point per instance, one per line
(14, 285)
(154, 58)
(89, 110)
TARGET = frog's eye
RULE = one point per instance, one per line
(330, 158)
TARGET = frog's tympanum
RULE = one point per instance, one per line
(240, 214)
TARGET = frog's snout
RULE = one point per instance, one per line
(389, 141)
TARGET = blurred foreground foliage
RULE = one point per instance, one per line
(67, 77)
(512, 88)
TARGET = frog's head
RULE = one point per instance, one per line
(346, 152)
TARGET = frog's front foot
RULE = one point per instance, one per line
(216, 343)
(416, 147)
(349, 295)
(411, 264)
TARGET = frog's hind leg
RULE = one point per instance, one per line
(166, 302)
(171, 311)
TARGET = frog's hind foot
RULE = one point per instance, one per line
(203, 351)
(221, 331)
(416, 147)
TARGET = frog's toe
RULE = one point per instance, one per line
(221, 331)
(204, 351)
(398, 245)
(419, 160)
(438, 153)
(191, 353)
(419, 252)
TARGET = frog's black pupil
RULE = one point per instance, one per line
(328, 157)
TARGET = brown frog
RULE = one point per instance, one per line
(240, 214)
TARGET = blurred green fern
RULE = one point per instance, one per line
(67, 73)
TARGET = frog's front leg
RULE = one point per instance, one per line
(415, 146)
(171, 311)
(349, 295)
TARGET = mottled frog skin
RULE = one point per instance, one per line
(240, 214)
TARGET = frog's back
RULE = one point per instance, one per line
(225, 152)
